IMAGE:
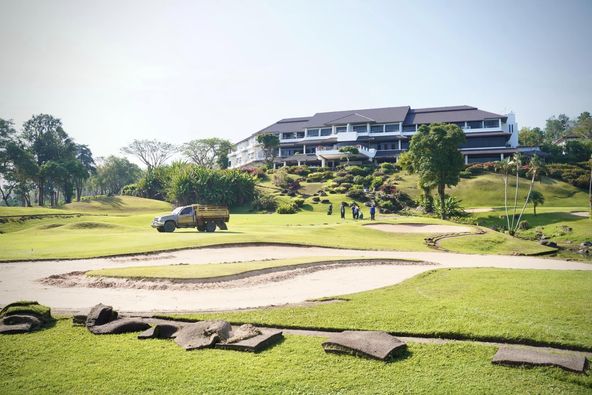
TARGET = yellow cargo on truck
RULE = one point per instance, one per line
(204, 217)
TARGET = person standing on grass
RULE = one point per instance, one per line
(330, 209)
(353, 206)
(342, 210)
(372, 212)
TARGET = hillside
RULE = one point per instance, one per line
(118, 204)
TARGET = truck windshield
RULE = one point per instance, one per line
(177, 210)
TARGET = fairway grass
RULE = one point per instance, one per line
(103, 235)
(66, 359)
(537, 306)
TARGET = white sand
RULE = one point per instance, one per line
(420, 228)
(581, 214)
(479, 210)
(18, 281)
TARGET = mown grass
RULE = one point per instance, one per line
(553, 307)
(197, 271)
(67, 359)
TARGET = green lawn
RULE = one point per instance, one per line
(118, 231)
(67, 359)
(553, 307)
(197, 271)
(487, 190)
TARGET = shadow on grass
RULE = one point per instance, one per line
(541, 219)
(112, 201)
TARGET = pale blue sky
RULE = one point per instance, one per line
(114, 71)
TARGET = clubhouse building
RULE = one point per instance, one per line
(379, 134)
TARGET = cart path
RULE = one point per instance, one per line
(19, 280)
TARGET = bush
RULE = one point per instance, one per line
(391, 203)
(346, 185)
(287, 208)
(357, 170)
(524, 225)
(130, 190)
(320, 175)
(316, 199)
(576, 175)
(264, 202)
(299, 170)
(376, 183)
(357, 194)
(452, 207)
(346, 178)
(340, 189)
(299, 202)
(465, 174)
(388, 168)
(195, 184)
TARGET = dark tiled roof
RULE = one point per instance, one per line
(287, 125)
(448, 114)
(382, 115)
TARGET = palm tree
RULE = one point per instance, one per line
(516, 162)
(535, 167)
(504, 167)
(536, 198)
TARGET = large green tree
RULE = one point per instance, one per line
(433, 154)
(583, 126)
(152, 153)
(269, 144)
(211, 152)
(557, 127)
(112, 174)
(531, 137)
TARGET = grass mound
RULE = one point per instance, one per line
(118, 205)
(50, 226)
(92, 225)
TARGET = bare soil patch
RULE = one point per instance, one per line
(420, 228)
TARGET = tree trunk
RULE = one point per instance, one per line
(534, 209)
(41, 193)
(441, 193)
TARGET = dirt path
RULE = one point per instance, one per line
(19, 280)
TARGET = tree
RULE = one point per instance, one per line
(557, 127)
(83, 169)
(531, 137)
(535, 168)
(536, 198)
(113, 174)
(270, 144)
(211, 153)
(45, 138)
(583, 126)
(152, 153)
(433, 154)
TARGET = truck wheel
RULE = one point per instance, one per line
(160, 229)
(210, 226)
(169, 226)
(201, 228)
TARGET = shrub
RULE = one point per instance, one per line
(264, 202)
(356, 194)
(388, 168)
(451, 208)
(578, 176)
(390, 203)
(376, 183)
(259, 173)
(358, 170)
(524, 225)
(195, 184)
(465, 174)
(389, 187)
(299, 170)
(340, 189)
(346, 185)
(325, 201)
(287, 208)
(299, 202)
(130, 190)
(346, 178)
(349, 150)
(281, 178)
(316, 199)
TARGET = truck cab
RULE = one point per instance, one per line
(205, 218)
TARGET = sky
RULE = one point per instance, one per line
(114, 71)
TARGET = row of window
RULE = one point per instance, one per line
(383, 128)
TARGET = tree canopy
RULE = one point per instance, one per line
(433, 154)
(270, 144)
(211, 153)
(152, 153)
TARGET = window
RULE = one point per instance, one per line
(341, 129)
(288, 136)
(312, 132)
(299, 135)
(360, 128)
(408, 128)
(377, 128)
(459, 124)
(492, 123)
(391, 128)
(186, 211)
(326, 132)
(475, 124)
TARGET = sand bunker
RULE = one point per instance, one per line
(580, 213)
(479, 210)
(420, 228)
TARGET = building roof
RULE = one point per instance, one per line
(286, 125)
(381, 115)
(448, 114)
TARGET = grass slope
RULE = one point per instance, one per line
(186, 271)
(486, 190)
(118, 204)
(67, 359)
(536, 305)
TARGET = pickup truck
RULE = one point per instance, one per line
(203, 217)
